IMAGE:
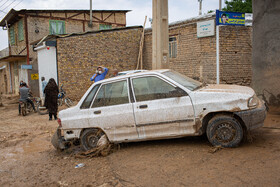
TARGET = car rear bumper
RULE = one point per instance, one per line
(58, 141)
(253, 118)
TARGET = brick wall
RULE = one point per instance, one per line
(236, 55)
(196, 57)
(41, 23)
(79, 56)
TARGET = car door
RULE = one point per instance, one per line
(161, 109)
(113, 112)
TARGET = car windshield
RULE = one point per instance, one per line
(183, 80)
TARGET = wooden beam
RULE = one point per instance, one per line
(102, 16)
(26, 38)
(94, 17)
(115, 17)
(58, 18)
(84, 27)
(74, 15)
(108, 16)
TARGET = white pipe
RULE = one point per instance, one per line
(217, 55)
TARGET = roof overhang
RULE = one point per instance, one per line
(12, 58)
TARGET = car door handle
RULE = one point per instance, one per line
(143, 106)
(97, 112)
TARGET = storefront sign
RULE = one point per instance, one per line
(230, 18)
(205, 28)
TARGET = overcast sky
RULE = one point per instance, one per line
(178, 9)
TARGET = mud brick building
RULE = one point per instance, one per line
(78, 56)
(196, 57)
(26, 26)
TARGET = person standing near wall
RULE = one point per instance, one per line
(100, 74)
(44, 84)
(51, 92)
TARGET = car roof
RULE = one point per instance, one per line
(158, 71)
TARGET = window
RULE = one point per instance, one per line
(104, 27)
(151, 88)
(12, 35)
(89, 98)
(20, 30)
(172, 47)
(57, 27)
(112, 94)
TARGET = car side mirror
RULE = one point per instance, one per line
(178, 92)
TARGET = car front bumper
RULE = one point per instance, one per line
(253, 118)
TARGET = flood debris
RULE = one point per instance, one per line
(104, 148)
(80, 165)
(215, 149)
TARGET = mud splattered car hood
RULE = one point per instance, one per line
(222, 97)
(224, 88)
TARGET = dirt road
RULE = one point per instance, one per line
(28, 159)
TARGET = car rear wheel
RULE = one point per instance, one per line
(90, 137)
(224, 131)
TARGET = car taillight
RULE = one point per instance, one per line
(59, 122)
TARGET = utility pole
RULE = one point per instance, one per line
(160, 35)
(90, 14)
(200, 7)
(220, 4)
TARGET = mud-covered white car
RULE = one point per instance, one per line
(157, 105)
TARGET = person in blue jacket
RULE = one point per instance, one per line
(100, 74)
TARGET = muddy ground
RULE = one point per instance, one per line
(27, 158)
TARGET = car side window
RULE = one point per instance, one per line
(89, 98)
(112, 94)
(151, 88)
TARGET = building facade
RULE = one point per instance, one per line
(195, 56)
(27, 26)
(79, 55)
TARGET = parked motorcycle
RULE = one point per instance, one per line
(63, 99)
(26, 107)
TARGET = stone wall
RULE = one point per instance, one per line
(196, 57)
(266, 51)
(80, 55)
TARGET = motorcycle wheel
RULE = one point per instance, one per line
(23, 111)
(42, 110)
(68, 102)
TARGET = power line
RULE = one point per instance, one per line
(9, 4)
(18, 3)
(4, 3)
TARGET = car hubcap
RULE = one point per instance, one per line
(92, 141)
(225, 132)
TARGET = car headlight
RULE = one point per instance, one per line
(253, 102)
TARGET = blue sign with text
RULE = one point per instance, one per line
(26, 66)
(230, 18)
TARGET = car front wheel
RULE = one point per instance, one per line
(224, 131)
(90, 137)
